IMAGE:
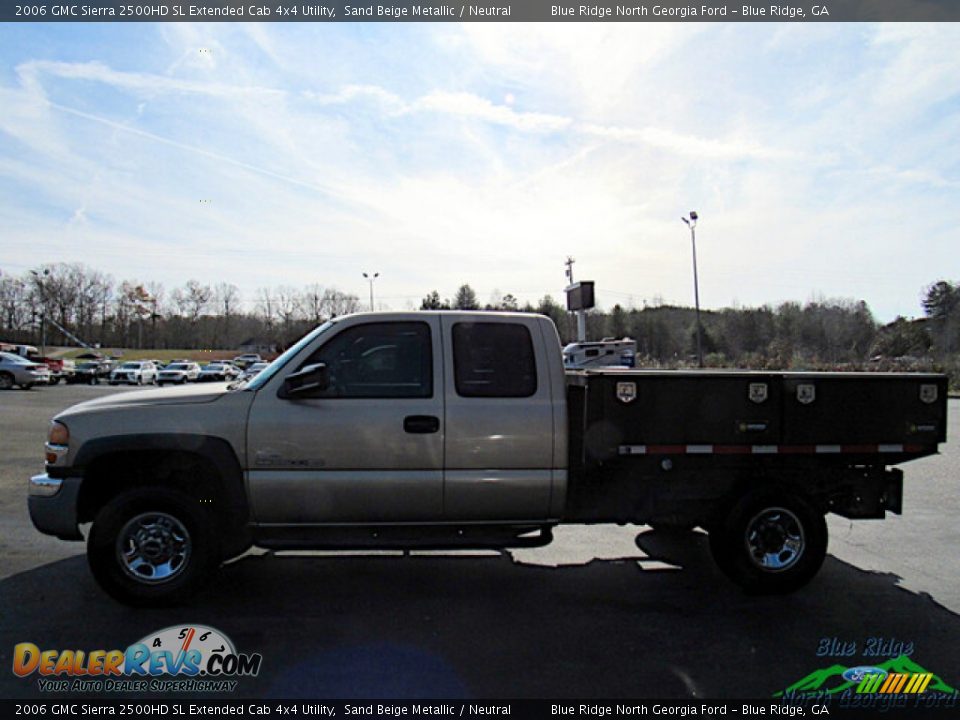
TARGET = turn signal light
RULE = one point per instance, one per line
(59, 434)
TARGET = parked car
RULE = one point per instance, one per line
(253, 370)
(59, 368)
(90, 372)
(219, 370)
(179, 373)
(134, 373)
(17, 370)
(246, 360)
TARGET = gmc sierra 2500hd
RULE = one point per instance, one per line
(453, 429)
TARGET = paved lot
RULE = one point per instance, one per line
(597, 614)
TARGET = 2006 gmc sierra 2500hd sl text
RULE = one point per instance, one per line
(456, 429)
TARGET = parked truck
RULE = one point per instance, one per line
(455, 429)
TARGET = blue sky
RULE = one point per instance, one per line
(823, 159)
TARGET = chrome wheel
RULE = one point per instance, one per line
(153, 548)
(775, 539)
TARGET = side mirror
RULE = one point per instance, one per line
(312, 378)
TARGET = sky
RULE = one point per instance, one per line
(823, 159)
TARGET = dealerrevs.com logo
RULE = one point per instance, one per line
(180, 658)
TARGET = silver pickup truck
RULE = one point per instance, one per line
(454, 429)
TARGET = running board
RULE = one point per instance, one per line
(403, 537)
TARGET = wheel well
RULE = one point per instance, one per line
(189, 472)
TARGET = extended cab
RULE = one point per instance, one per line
(454, 429)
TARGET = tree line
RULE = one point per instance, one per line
(818, 334)
(92, 306)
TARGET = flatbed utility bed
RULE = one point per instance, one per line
(735, 412)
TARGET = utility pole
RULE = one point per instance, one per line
(581, 314)
(43, 309)
(692, 224)
(370, 279)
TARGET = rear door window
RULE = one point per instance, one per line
(493, 360)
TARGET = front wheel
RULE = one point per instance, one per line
(151, 547)
(771, 542)
(6, 381)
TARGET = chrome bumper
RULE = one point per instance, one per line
(53, 505)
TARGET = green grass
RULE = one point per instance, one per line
(201, 356)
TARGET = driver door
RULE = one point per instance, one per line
(367, 449)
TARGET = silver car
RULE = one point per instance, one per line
(218, 370)
(253, 370)
(16, 370)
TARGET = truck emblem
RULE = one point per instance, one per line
(806, 393)
(758, 392)
(928, 393)
(626, 392)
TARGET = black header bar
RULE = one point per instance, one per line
(479, 11)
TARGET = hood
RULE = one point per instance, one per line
(187, 395)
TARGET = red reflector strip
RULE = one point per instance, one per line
(731, 449)
(667, 449)
(798, 449)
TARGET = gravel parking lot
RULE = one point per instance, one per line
(603, 612)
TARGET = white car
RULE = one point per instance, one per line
(219, 370)
(134, 373)
(245, 361)
(179, 373)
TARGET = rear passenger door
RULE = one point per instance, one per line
(499, 419)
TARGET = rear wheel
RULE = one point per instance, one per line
(771, 542)
(151, 546)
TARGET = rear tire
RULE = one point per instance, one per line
(771, 542)
(152, 546)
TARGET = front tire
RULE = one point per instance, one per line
(771, 542)
(152, 547)
(6, 381)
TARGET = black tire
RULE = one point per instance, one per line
(771, 542)
(54, 381)
(164, 531)
(6, 381)
(139, 379)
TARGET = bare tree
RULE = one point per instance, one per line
(336, 303)
(312, 302)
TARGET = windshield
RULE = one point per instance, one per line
(261, 379)
(176, 367)
(130, 366)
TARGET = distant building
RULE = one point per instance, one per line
(257, 345)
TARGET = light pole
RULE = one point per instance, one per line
(43, 310)
(370, 279)
(692, 224)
